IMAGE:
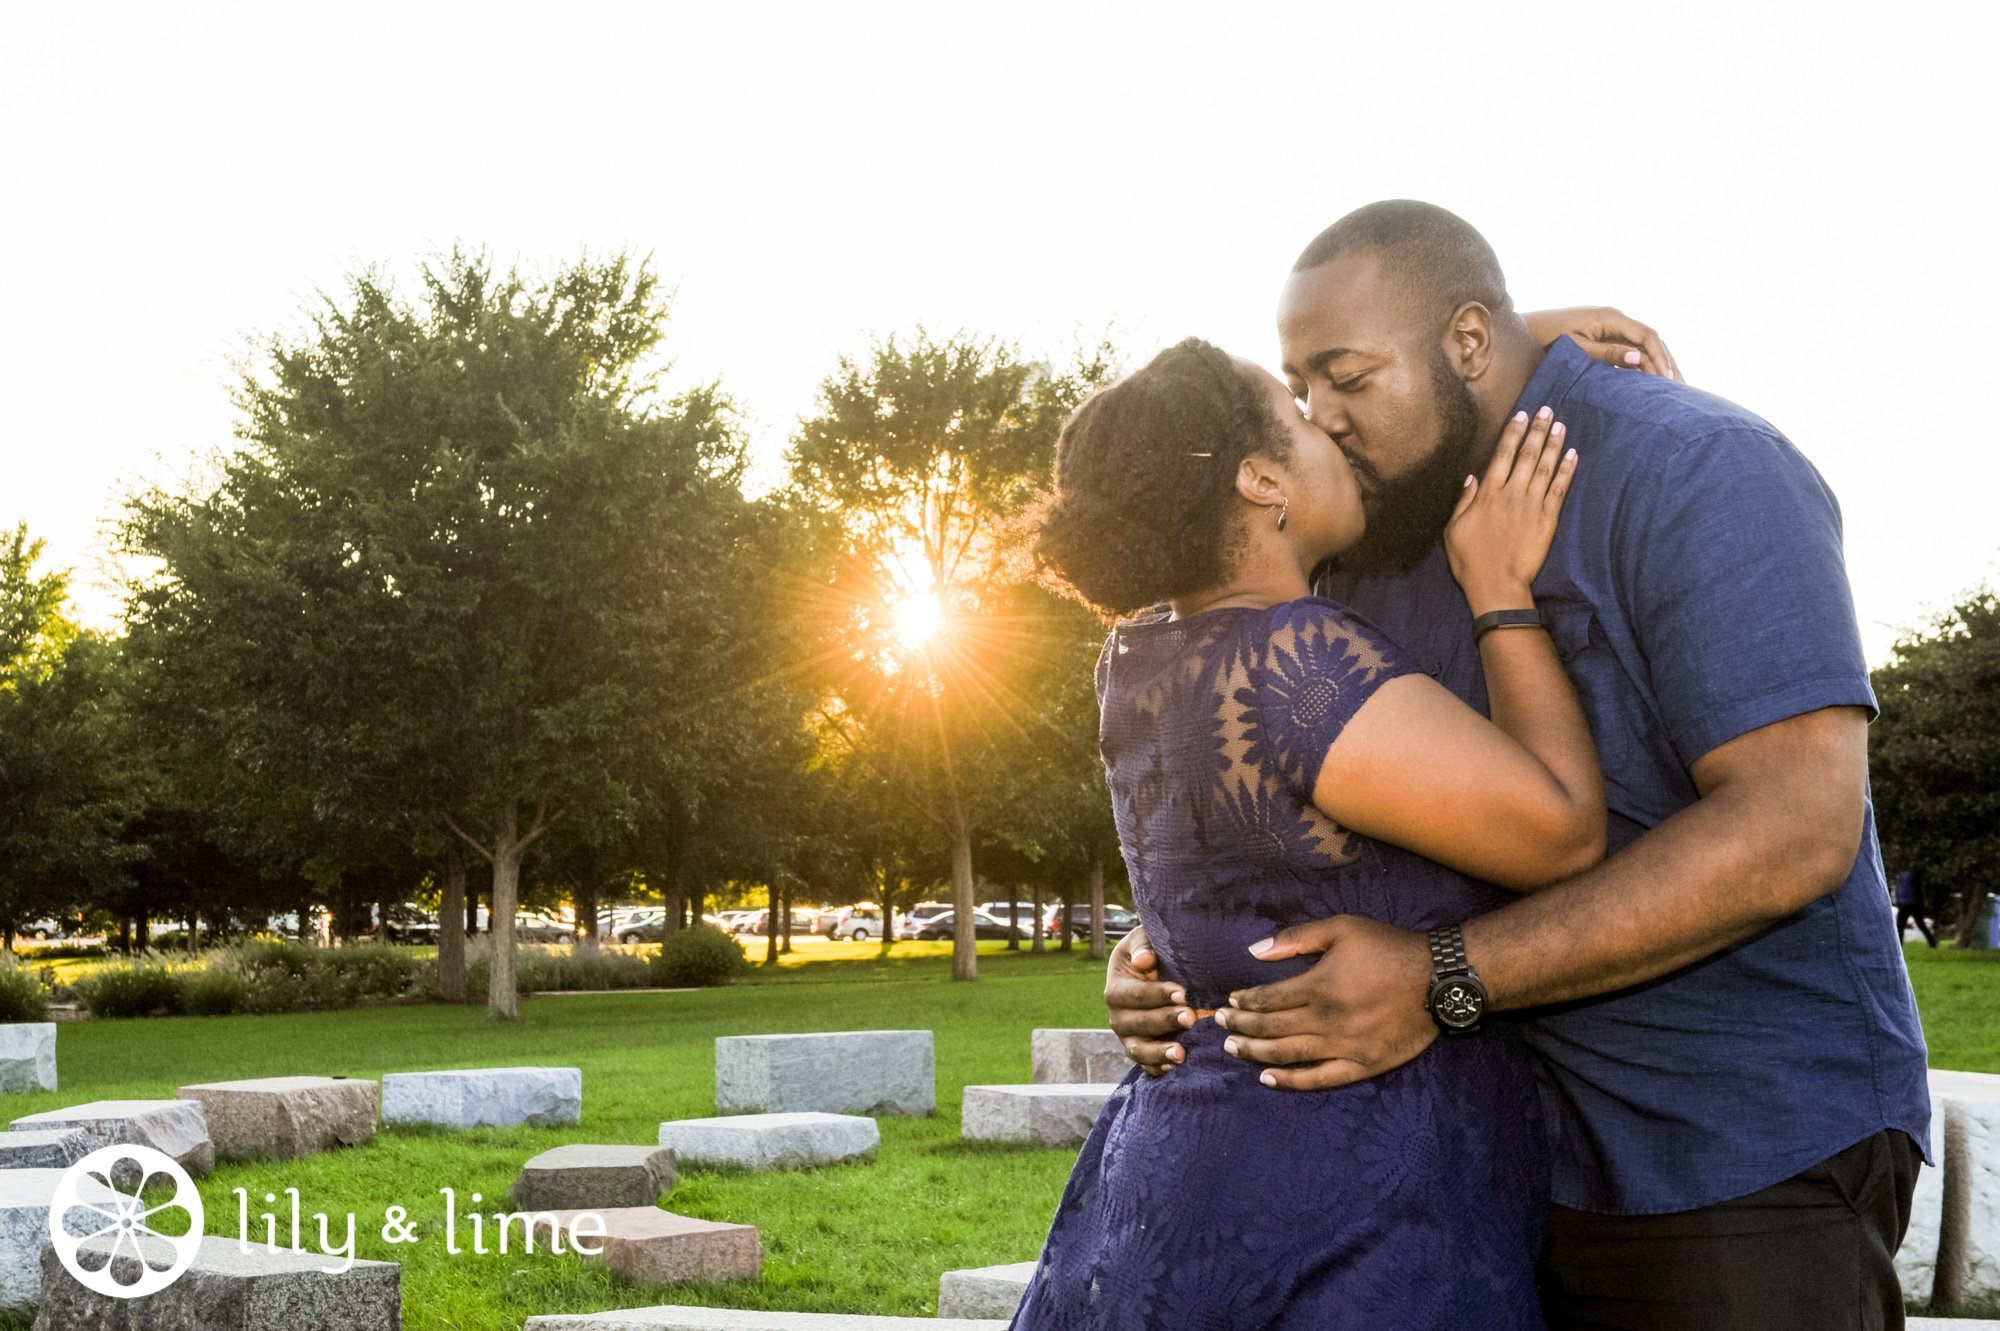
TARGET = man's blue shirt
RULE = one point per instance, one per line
(1697, 591)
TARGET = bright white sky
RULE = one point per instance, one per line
(1798, 194)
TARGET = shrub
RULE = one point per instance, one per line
(697, 957)
(215, 992)
(23, 997)
(142, 989)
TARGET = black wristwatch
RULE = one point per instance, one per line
(1457, 998)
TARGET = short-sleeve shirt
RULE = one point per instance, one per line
(1697, 591)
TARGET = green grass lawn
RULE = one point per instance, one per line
(865, 1238)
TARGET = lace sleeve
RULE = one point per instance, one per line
(1321, 663)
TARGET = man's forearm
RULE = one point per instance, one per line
(1727, 866)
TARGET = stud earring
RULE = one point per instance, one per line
(1284, 510)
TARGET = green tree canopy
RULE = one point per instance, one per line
(467, 572)
(1934, 753)
(916, 466)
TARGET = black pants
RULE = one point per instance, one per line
(1813, 1253)
(1908, 915)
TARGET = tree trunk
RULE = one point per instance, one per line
(1014, 919)
(675, 906)
(586, 909)
(771, 925)
(1968, 918)
(1066, 922)
(125, 934)
(192, 922)
(964, 941)
(1097, 907)
(451, 932)
(1039, 931)
(509, 847)
(786, 916)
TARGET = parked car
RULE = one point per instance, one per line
(860, 923)
(641, 926)
(541, 929)
(1118, 921)
(802, 922)
(917, 916)
(1011, 911)
(945, 925)
(406, 922)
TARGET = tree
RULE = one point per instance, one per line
(917, 462)
(461, 576)
(69, 783)
(1934, 754)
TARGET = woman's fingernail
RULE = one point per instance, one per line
(1632, 358)
(1263, 945)
(1570, 456)
(1269, 1079)
(1520, 416)
(1184, 1017)
(1558, 428)
(1178, 996)
(1544, 413)
(1231, 1045)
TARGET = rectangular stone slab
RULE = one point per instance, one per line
(484, 1097)
(1047, 1115)
(25, 1198)
(836, 1072)
(744, 1319)
(1069, 1055)
(985, 1291)
(227, 1289)
(579, 1176)
(1965, 1111)
(43, 1148)
(1917, 1258)
(648, 1246)
(772, 1141)
(285, 1118)
(27, 1056)
(177, 1128)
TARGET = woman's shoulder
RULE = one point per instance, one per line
(1322, 627)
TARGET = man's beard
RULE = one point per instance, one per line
(1406, 516)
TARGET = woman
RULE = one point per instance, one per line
(1273, 759)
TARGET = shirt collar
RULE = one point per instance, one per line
(1562, 365)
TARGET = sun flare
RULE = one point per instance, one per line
(918, 619)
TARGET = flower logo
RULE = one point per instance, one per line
(104, 1236)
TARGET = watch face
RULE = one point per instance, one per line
(1458, 1004)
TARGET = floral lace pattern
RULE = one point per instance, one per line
(1204, 1200)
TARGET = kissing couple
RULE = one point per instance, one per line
(1486, 730)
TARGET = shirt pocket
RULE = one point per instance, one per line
(1643, 782)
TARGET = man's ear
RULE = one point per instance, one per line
(1468, 341)
(1259, 481)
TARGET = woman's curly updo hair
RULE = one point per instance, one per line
(1145, 479)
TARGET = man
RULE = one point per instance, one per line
(1733, 1063)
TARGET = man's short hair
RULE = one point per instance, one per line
(1433, 254)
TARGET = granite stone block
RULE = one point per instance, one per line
(985, 1291)
(575, 1177)
(25, 1198)
(27, 1056)
(1047, 1115)
(838, 1072)
(772, 1141)
(177, 1128)
(1081, 1054)
(648, 1246)
(484, 1097)
(227, 1289)
(285, 1118)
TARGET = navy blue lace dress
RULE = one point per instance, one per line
(1204, 1200)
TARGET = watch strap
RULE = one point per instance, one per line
(1507, 619)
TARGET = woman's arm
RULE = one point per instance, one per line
(1519, 800)
(1605, 334)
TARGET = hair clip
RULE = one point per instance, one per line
(1201, 455)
